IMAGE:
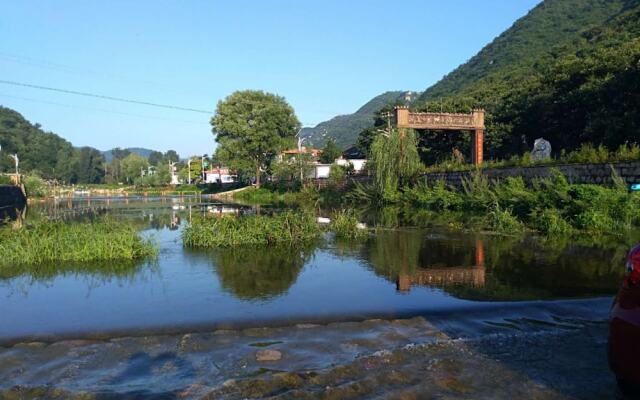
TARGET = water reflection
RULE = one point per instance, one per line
(481, 267)
(251, 273)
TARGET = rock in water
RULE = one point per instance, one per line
(541, 150)
(268, 355)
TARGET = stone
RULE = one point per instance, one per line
(541, 150)
(268, 355)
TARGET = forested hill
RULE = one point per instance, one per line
(344, 129)
(531, 41)
(569, 72)
(45, 153)
(142, 152)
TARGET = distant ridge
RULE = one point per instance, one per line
(344, 129)
(142, 152)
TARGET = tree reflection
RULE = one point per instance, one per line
(497, 267)
(260, 273)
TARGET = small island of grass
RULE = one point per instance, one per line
(56, 241)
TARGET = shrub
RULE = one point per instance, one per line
(503, 221)
(35, 186)
(437, 197)
(551, 222)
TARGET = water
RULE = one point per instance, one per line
(398, 273)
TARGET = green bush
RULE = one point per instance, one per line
(35, 186)
(503, 221)
(551, 222)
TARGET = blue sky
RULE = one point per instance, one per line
(325, 57)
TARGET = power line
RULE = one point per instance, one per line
(9, 96)
(103, 97)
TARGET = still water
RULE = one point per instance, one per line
(396, 273)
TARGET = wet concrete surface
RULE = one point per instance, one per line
(559, 354)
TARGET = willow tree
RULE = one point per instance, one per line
(394, 159)
(251, 128)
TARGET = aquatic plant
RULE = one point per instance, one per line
(56, 241)
(285, 227)
(345, 224)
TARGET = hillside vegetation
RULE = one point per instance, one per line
(568, 72)
(344, 129)
(45, 153)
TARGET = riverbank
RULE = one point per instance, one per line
(533, 352)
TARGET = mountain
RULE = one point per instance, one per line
(344, 129)
(45, 153)
(566, 71)
(532, 41)
(569, 71)
(142, 152)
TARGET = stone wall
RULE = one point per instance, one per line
(576, 173)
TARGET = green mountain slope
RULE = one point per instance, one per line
(532, 41)
(344, 129)
(142, 152)
(568, 72)
(40, 151)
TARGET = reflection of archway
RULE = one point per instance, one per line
(469, 276)
(403, 118)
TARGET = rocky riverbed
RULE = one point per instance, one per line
(556, 355)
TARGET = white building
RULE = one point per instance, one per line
(358, 163)
(219, 175)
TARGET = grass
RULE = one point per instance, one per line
(277, 195)
(53, 241)
(285, 227)
(550, 206)
(344, 224)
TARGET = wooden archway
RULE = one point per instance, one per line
(403, 118)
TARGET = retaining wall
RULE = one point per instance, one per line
(576, 173)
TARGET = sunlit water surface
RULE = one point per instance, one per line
(396, 273)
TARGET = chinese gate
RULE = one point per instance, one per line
(474, 122)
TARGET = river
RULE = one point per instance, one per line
(189, 323)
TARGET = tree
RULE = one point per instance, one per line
(330, 152)
(87, 166)
(394, 160)
(251, 128)
(171, 156)
(155, 158)
(132, 167)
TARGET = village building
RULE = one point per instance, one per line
(350, 157)
(219, 175)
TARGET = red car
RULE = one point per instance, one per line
(624, 328)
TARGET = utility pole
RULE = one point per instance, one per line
(189, 170)
(17, 161)
(204, 177)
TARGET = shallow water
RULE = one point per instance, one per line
(397, 273)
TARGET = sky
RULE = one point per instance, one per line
(325, 57)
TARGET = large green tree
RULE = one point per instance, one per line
(251, 128)
(330, 152)
(132, 167)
